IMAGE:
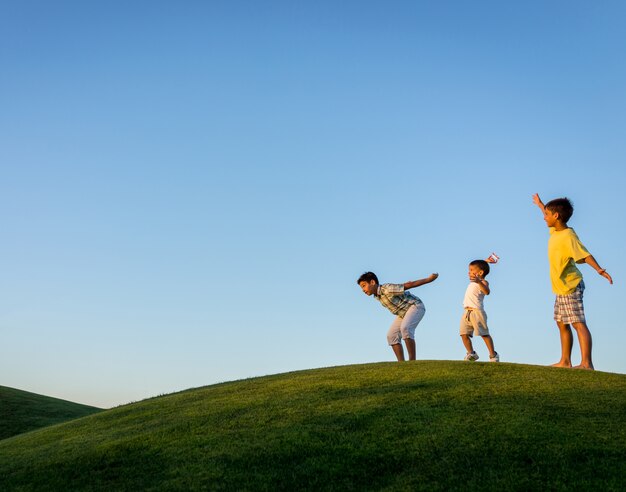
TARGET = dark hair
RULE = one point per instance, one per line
(561, 206)
(482, 264)
(367, 277)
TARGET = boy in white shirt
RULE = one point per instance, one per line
(474, 320)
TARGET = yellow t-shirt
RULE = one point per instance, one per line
(564, 250)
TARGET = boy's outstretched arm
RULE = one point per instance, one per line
(417, 283)
(591, 261)
(537, 201)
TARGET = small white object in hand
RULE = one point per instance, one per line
(493, 258)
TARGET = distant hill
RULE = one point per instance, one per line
(426, 425)
(21, 411)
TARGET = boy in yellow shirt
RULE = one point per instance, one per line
(564, 251)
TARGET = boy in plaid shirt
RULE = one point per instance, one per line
(409, 309)
(564, 251)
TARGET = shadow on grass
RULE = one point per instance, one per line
(128, 466)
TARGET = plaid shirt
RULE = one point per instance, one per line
(395, 298)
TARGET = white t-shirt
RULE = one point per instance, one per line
(473, 297)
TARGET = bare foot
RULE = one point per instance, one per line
(562, 364)
(588, 368)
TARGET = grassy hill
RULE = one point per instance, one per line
(411, 426)
(21, 411)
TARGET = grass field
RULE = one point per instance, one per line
(426, 425)
(21, 411)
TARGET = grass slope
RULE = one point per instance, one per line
(426, 425)
(21, 411)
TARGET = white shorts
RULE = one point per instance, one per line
(403, 328)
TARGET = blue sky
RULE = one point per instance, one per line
(189, 190)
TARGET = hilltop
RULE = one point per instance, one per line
(426, 425)
(21, 411)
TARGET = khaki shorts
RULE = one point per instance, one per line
(474, 322)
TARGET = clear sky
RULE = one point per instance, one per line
(189, 190)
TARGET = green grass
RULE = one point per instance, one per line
(389, 426)
(21, 411)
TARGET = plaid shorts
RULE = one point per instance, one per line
(569, 308)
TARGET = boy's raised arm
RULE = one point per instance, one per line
(537, 201)
(417, 283)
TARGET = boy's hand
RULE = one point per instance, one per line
(537, 201)
(606, 275)
(476, 278)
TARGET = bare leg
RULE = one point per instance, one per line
(565, 332)
(467, 341)
(410, 347)
(397, 349)
(489, 342)
(584, 339)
